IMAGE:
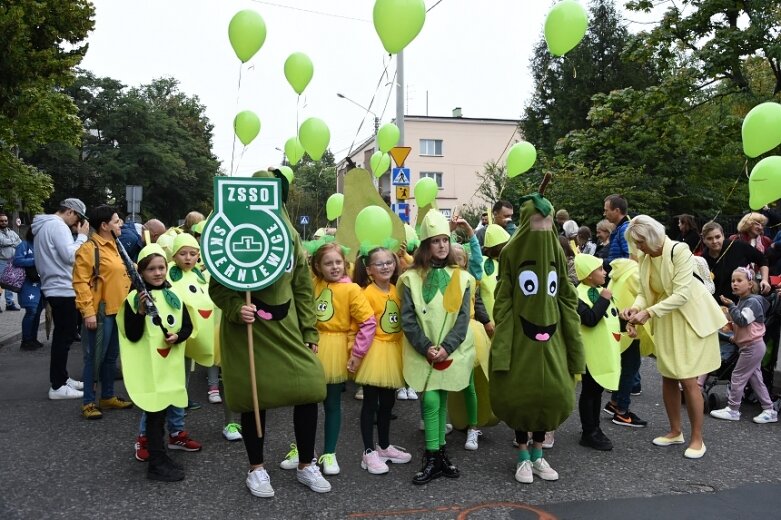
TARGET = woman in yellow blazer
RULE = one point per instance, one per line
(684, 320)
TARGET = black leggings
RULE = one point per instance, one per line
(376, 401)
(522, 437)
(590, 403)
(304, 427)
(154, 432)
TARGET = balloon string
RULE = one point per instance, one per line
(233, 147)
(241, 156)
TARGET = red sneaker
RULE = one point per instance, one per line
(142, 452)
(182, 441)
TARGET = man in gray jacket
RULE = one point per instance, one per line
(8, 242)
(55, 252)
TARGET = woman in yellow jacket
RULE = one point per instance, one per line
(101, 284)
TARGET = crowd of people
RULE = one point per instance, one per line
(485, 325)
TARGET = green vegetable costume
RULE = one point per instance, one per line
(288, 373)
(537, 347)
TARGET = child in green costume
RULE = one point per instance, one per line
(438, 348)
(152, 359)
(536, 349)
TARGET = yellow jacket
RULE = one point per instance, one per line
(113, 284)
(687, 294)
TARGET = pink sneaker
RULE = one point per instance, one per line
(393, 454)
(372, 462)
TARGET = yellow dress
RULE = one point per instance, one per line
(382, 365)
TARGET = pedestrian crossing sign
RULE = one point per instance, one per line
(303, 220)
(401, 176)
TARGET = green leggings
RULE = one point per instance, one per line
(333, 416)
(434, 418)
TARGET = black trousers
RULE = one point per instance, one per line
(522, 437)
(304, 427)
(376, 401)
(155, 434)
(64, 315)
(590, 403)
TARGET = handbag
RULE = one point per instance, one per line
(12, 278)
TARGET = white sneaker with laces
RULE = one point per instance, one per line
(412, 395)
(259, 483)
(76, 385)
(523, 472)
(214, 397)
(232, 432)
(330, 466)
(373, 464)
(310, 476)
(542, 469)
(401, 394)
(291, 459)
(448, 428)
(65, 392)
(549, 440)
(767, 416)
(471, 439)
(727, 414)
(394, 454)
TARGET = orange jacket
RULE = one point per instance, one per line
(113, 284)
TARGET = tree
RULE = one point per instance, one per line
(40, 43)
(315, 181)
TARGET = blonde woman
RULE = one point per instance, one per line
(751, 229)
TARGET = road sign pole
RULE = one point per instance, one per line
(304, 232)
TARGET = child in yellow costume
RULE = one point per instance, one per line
(496, 237)
(438, 345)
(153, 355)
(601, 332)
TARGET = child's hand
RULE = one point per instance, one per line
(431, 353)
(353, 363)
(312, 347)
(143, 298)
(726, 301)
(489, 329)
(248, 313)
(628, 314)
(171, 338)
(606, 294)
(631, 330)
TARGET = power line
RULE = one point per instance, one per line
(311, 11)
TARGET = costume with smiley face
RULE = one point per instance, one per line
(537, 347)
(382, 364)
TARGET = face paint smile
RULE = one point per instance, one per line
(539, 333)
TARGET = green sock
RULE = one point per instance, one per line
(536, 454)
(523, 455)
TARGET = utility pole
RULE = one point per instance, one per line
(399, 111)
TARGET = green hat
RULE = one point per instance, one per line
(586, 264)
(495, 235)
(185, 240)
(198, 227)
(151, 249)
(434, 224)
(411, 237)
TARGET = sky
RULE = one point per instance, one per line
(469, 54)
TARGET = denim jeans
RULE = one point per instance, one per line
(108, 365)
(9, 295)
(31, 320)
(174, 419)
(64, 315)
(630, 365)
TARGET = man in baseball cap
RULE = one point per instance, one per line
(76, 206)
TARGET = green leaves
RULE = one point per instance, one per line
(172, 299)
(436, 280)
(175, 273)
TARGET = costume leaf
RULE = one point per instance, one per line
(452, 294)
(436, 280)
(488, 266)
(541, 204)
(176, 273)
(199, 274)
(172, 299)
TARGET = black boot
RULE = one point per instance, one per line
(448, 468)
(431, 469)
(162, 468)
(596, 440)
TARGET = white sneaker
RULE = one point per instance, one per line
(232, 432)
(214, 397)
(523, 472)
(728, 414)
(401, 394)
(291, 459)
(359, 393)
(394, 454)
(330, 466)
(65, 392)
(422, 425)
(310, 476)
(542, 469)
(259, 483)
(471, 439)
(373, 464)
(549, 440)
(76, 385)
(412, 395)
(767, 416)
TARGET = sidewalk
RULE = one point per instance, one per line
(11, 326)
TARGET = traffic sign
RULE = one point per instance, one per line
(402, 192)
(399, 154)
(402, 210)
(400, 176)
(303, 220)
(246, 245)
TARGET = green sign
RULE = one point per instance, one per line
(246, 244)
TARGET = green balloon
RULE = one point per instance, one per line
(380, 162)
(299, 71)
(764, 183)
(762, 129)
(294, 150)
(373, 225)
(426, 191)
(246, 124)
(388, 137)
(334, 206)
(398, 22)
(287, 171)
(522, 156)
(247, 32)
(314, 136)
(565, 26)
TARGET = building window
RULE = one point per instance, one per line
(437, 176)
(431, 147)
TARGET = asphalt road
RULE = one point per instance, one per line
(56, 465)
